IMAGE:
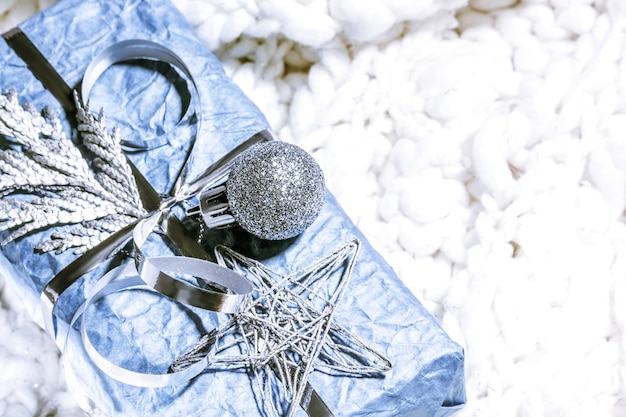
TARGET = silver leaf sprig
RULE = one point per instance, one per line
(49, 183)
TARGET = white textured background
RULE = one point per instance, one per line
(481, 148)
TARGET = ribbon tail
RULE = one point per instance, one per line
(313, 404)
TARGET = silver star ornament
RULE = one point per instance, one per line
(287, 330)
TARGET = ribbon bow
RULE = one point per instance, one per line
(153, 272)
(232, 290)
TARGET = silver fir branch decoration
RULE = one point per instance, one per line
(49, 183)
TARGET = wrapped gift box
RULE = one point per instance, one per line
(148, 332)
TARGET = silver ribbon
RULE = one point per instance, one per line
(153, 202)
(144, 49)
(151, 273)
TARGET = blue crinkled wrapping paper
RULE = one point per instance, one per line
(144, 331)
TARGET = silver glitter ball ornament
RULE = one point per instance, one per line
(275, 190)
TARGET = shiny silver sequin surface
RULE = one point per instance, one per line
(275, 190)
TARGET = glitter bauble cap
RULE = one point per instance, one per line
(275, 190)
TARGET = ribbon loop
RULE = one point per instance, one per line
(120, 279)
(153, 272)
(142, 49)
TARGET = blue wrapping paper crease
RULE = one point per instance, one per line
(147, 332)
